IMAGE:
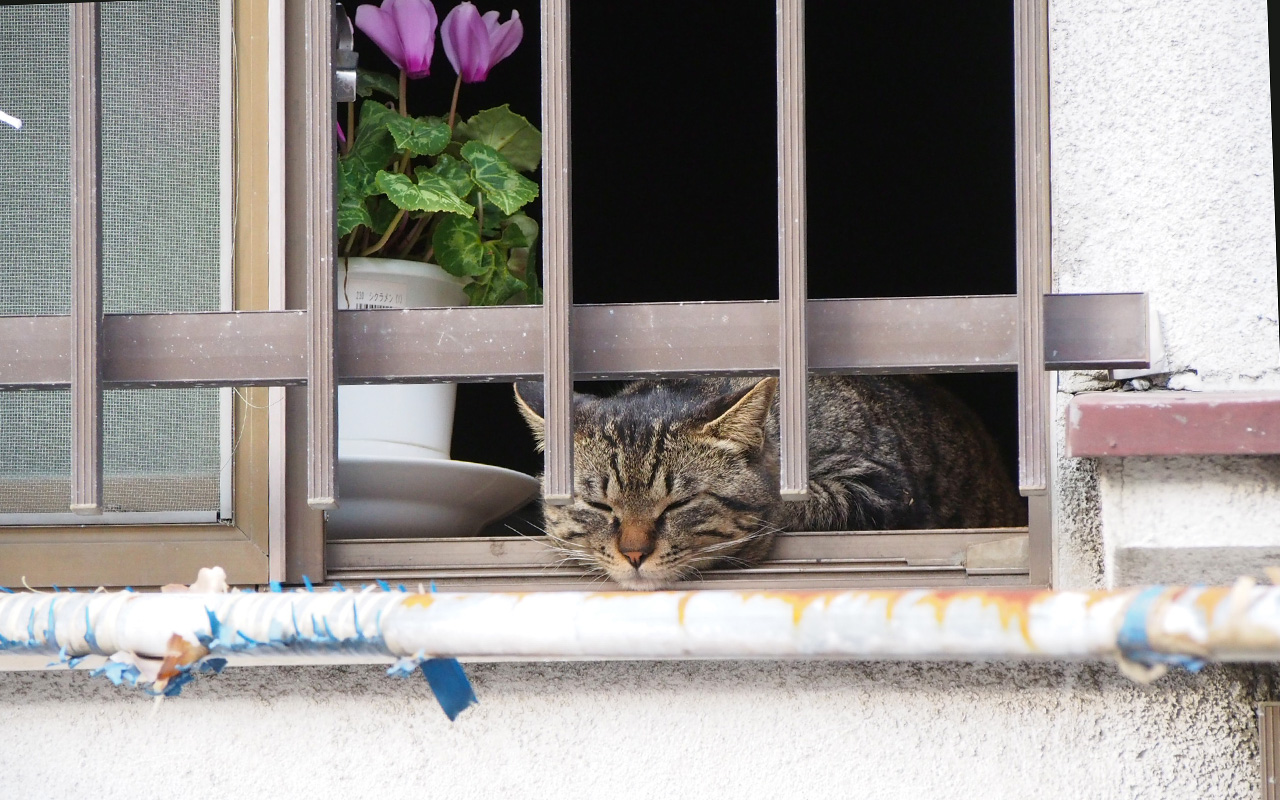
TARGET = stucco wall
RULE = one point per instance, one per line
(1162, 175)
(1162, 182)
(636, 730)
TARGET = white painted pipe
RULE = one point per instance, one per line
(1178, 625)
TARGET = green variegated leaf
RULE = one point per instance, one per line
(376, 114)
(533, 292)
(418, 136)
(453, 172)
(352, 214)
(432, 193)
(370, 152)
(508, 189)
(500, 287)
(508, 133)
(381, 212)
(368, 82)
(512, 236)
(523, 226)
(458, 248)
(519, 235)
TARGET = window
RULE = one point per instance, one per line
(311, 348)
(171, 499)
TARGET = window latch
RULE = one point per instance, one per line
(344, 57)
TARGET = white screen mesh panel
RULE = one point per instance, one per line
(161, 241)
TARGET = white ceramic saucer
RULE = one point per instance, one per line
(383, 498)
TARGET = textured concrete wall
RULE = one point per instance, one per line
(1162, 173)
(1163, 182)
(636, 730)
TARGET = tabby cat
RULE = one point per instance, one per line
(672, 477)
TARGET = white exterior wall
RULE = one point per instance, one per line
(1162, 182)
(639, 730)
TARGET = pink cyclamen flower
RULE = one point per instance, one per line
(405, 30)
(475, 44)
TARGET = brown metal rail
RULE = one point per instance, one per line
(923, 334)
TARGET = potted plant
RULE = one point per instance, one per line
(429, 208)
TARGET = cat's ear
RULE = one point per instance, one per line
(529, 401)
(742, 426)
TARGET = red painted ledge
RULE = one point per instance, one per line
(1173, 424)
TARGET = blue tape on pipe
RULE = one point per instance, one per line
(1132, 638)
(450, 685)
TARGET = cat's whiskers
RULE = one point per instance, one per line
(540, 540)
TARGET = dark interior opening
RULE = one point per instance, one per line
(909, 143)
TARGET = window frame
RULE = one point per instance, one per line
(155, 554)
(312, 347)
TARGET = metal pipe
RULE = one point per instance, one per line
(1152, 626)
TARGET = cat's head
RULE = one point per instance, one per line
(669, 478)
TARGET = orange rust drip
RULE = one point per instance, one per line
(682, 605)
(890, 599)
(798, 601)
(419, 600)
(1209, 599)
(1013, 607)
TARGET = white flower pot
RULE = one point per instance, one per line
(412, 421)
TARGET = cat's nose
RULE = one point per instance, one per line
(635, 541)
(636, 557)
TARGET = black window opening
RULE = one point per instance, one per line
(910, 148)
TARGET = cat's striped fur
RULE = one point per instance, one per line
(672, 477)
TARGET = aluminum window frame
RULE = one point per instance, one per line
(141, 548)
(310, 347)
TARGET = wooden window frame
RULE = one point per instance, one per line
(313, 347)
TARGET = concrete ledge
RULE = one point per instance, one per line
(1173, 424)
(1213, 566)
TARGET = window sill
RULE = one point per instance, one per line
(1173, 424)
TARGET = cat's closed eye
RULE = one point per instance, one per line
(678, 504)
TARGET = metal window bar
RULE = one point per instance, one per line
(793, 362)
(86, 260)
(1031, 145)
(320, 249)
(557, 310)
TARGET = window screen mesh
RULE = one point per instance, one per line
(161, 235)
